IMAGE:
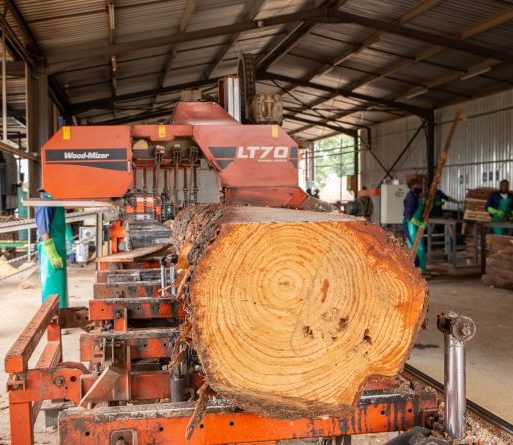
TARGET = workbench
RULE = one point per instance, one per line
(448, 239)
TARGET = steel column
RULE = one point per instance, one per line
(430, 147)
(38, 120)
(356, 163)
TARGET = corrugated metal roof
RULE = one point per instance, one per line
(77, 26)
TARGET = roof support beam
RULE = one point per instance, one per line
(340, 129)
(280, 47)
(366, 43)
(251, 14)
(188, 12)
(374, 37)
(472, 71)
(78, 55)
(111, 20)
(35, 56)
(104, 102)
(485, 25)
(348, 93)
(423, 36)
(136, 117)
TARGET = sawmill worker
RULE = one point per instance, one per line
(412, 220)
(440, 199)
(51, 228)
(500, 206)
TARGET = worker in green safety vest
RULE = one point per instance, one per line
(500, 206)
(412, 220)
(51, 227)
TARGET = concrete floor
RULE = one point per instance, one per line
(490, 354)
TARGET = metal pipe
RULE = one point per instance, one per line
(457, 331)
(4, 88)
(163, 278)
(454, 376)
(173, 259)
(99, 234)
(29, 243)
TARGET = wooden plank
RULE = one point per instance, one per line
(133, 255)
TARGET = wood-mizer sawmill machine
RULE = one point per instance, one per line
(134, 383)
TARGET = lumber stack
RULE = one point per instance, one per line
(499, 261)
(475, 201)
(291, 312)
(474, 210)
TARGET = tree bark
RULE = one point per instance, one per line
(293, 311)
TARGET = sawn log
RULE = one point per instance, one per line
(293, 311)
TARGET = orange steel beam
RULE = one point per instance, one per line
(138, 308)
(144, 344)
(166, 424)
(16, 360)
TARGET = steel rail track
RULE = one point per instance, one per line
(476, 409)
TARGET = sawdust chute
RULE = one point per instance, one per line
(292, 311)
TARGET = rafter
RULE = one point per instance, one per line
(366, 43)
(72, 56)
(423, 36)
(473, 31)
(111, 21)
(472, 71)
(81, 107)
(374, 37)
(250, 14)
(279, 47)
(339, 127)
(36, 54)
(188, 12)
(347, 93)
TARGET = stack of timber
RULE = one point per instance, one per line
(499, 261)
(475, 211)
(292, 312)
(475, 202)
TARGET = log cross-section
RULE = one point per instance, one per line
(293, 311)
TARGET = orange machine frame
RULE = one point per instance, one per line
(257, 164)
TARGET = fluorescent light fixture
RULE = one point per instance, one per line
(476, 72)
(416, 92)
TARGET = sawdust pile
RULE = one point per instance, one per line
(479, 431)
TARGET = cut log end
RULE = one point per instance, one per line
(294, 311)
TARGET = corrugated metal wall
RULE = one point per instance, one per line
(388, 140)
(481, 154)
